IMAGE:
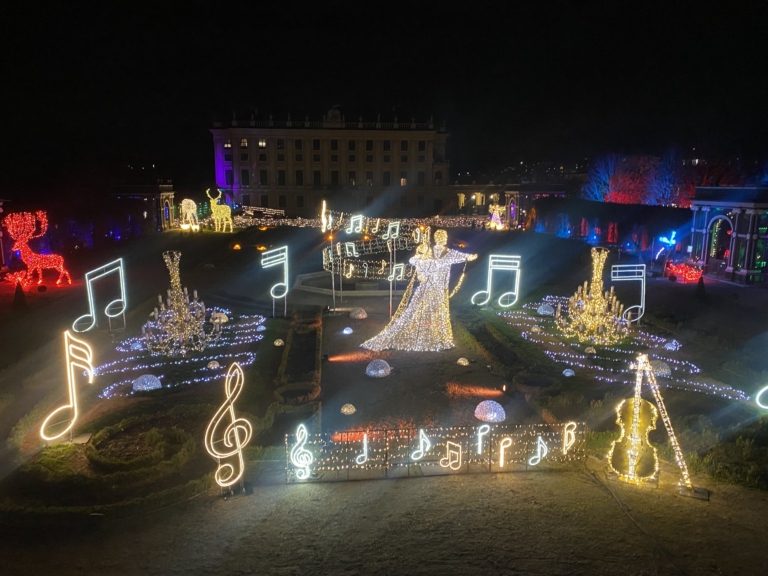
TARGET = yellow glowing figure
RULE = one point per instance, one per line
(594, 316)
(632, 456)
(422, 321)
(189, 215)
(222, 214)
(78, 355)
(227, 429)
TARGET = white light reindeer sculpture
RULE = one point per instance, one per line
(189, 215)
(222, 214)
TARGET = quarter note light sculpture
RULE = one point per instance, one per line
(79, 357)
(115, 309)
(21, 228)
(277, 257)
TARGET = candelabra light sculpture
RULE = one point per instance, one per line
(594, 316)
(179, 326)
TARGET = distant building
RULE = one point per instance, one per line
(150, 205)
(518, 199)
(730, 231)
(392, 167)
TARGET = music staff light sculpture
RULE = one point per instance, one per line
(115, 309)
(631, 273)
(277, 257)
(500, 262)
(355, 224)
(78, 354)
(231, 431)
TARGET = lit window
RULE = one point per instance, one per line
(228, 144)
(262, 142)
(403, 181)
(243, 142)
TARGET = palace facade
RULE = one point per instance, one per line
(392, 167)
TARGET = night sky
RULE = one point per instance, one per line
(89, 91)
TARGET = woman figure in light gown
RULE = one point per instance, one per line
(422, 321)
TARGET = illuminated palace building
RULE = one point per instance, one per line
(396, 167)
(730, 232)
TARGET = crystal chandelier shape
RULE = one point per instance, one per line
(178, 327)
(594, 316)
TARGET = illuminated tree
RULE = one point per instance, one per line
(601, 173)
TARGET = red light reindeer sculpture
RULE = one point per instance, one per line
(21, 227)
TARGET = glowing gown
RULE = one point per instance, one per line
(424, 325)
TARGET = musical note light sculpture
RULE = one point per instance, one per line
(631, 273)
(78, 355)
(355, 224)
(541, 452)
(424, 446)
(393, 231)
(277, 257)
(301, 458)
(21, 228)
(505, 443)
(452, 457)
(362, 458)
(179, 326)
(229, 430)
(569, 436)
(115, 309)
(500, 262)
(482, 432)
(593, 316)
(759, 398)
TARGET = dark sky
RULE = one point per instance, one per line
(88, 90)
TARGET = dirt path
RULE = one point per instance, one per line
(570, 522)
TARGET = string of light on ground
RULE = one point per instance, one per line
(136, 360)
(609, 364)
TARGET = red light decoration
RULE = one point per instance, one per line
(684, 272)
(21, 228)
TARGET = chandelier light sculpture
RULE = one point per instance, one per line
(178, 327)
(593, 316)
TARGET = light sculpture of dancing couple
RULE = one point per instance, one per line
(422, 322)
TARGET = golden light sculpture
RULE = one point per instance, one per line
(179, 326)
(227, 434)
(78, 355)
(222, 213)
(631, 456)
(594, 316)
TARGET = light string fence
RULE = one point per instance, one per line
(429, 451)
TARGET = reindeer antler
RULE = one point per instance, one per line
(207, 193)
(20, 225)
(42, 217)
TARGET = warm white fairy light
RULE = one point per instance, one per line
(78, 355)
(610, 363)
(394, 452)
(593, 316)
(234, 345)
(232, 431)
(569, 436)
(221, 213)
(189, 215)
(642, 422)
(178, 328)
(422, 321)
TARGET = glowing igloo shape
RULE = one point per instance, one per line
(462, 361)
(214, 365)
(348, 409)
(378, 368)
(490, 411)
(590, 350)
(278, 342)
(672, 345)
(545, 310)
(569, 373)
(347, 331)
(661, 368)
(358, 314)
(146, 382)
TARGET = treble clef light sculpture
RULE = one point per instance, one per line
(227, 429)
(301, 458)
